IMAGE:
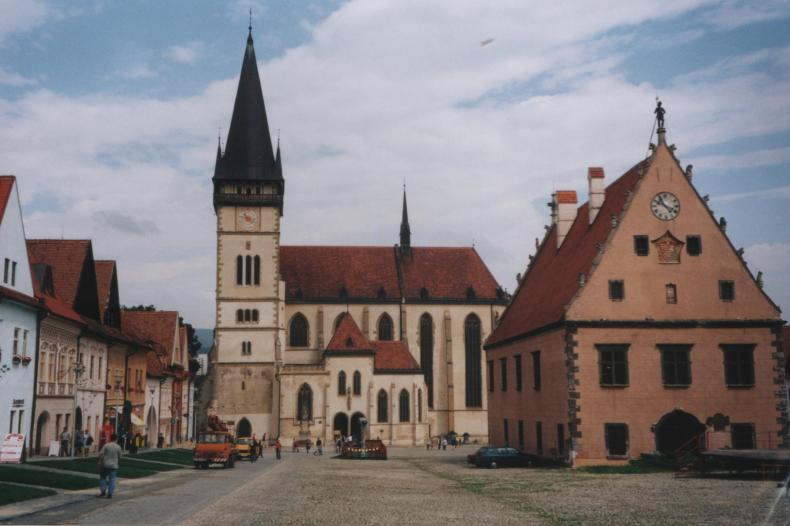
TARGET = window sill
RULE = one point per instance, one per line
(677, 386)
(740, 386)
(617, 457)
(614, 386)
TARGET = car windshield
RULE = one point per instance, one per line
(211, 438)
(244, 441)
(483, 450)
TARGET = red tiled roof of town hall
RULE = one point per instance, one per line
(388, 355)
(158, 327)
(320, 273)
(6, 184)
(66, 257)
(553, 278)
(104, 270)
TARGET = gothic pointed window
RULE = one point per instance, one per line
(419, 405)
(299, 331)
(248, 270)
(357, 383)
(304, 403)
(239, 315)
(403, 405)
(239, 270)
(385, 327)
(247, 315)
(341, 383)
(256, 272)
(255, 315)
(474, 392)
(426, 353)
(381, 406)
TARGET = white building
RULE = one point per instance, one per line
(18, 317)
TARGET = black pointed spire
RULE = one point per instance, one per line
(405, 230)
(218, 163)
(248, 148)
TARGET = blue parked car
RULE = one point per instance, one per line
(501, 457)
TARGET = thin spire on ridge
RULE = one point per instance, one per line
(405, 230)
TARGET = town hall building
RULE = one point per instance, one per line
(321, 341)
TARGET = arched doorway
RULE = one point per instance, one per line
(676, 430)
(244, 428)
(42, 425)
(78, 419)
(340, 424)
(358, 426)
(151, 431)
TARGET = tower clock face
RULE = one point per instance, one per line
(247, 219)
(665, 206)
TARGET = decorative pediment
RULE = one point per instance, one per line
(668, 248)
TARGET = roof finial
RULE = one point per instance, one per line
(250, 27)
(659, 111)
(405, 229)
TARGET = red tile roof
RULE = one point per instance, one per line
(447, 273)
(104, 273)
(394, 356)
(157, 327)
(6, 185)
(323, 273)
(388, 355)
(67, 259)
(348, 337)
(567, 196)
(553, 278)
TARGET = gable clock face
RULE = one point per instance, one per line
(665, 206)
(247, 219)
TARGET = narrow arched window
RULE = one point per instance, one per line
(385, 327)
(255, 315)
(341, 383)
(381, 403)
(247, 315)
(257, 270)
(357, 383)
(474, 390)
(419, 405)
(239, 270)
(248, 270)
(298, 333)
(305, 404)
(403, 403)
(426, 353)
(239, 315)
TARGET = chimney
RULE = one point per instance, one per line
(565, 202)
(596, 190)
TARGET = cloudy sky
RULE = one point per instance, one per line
(110, 112)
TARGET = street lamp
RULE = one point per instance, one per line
(79, 368)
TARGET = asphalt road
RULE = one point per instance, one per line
(169, 498)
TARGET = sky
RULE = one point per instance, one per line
(111, 110)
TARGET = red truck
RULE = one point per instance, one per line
(215, 445)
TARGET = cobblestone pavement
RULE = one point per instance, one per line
(419, 487)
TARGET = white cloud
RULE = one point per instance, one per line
(185, 54)
(782, 192)
(19, 16)
(771, 157)
(9, 78)
(137, 71)
(736, 13)
(381, 93)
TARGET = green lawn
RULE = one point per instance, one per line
(10, 493)
(134, 462)
(174, 456)
(45, 478)
(129, 469)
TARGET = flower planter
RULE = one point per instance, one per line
(26, 360)
(16, 360)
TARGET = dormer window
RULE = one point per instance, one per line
(381, 294)
(470, 293)
(423, 293)
(298, 294)
(349, 342)
(343, 293)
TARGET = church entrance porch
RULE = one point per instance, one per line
(677, 430)
(340, 425)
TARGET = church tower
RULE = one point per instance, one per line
(248, 201)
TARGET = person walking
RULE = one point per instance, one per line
(253, 448)
(88, 442)
(278, 449)
(444, 443)
(319, 445)
(65, 438)
(109, 459)
(307, 445)
(160, 441)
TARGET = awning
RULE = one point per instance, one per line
(136, 420)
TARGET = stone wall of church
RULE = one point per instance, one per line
(246, 391)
